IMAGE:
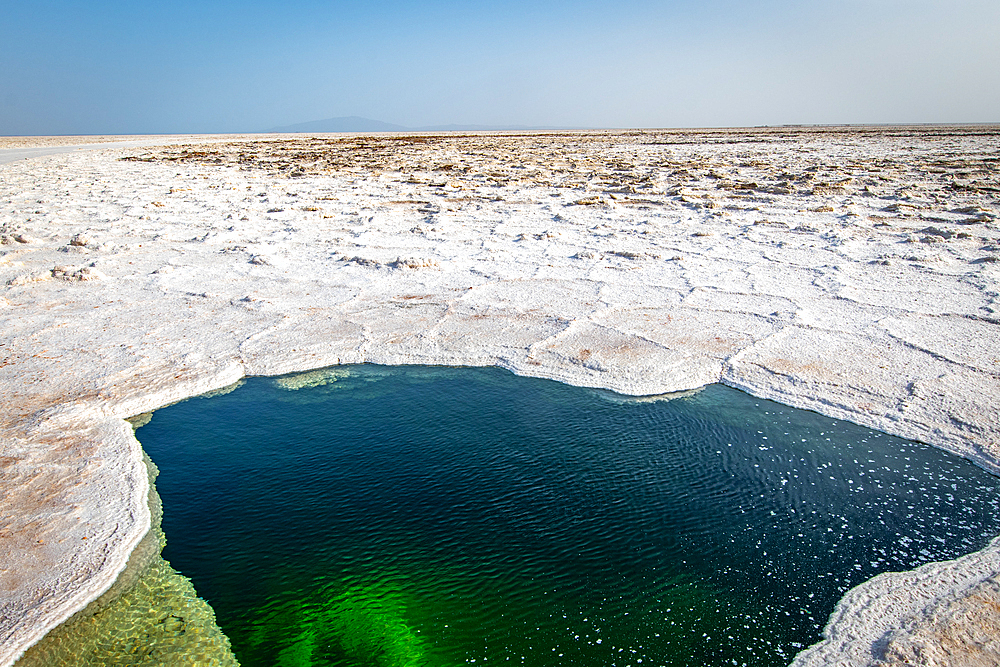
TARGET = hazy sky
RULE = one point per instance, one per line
(149, 66)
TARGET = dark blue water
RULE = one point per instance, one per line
(443, 516)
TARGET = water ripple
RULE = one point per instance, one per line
(431, 516)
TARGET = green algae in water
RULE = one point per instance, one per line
(364, 625)
(438, 516)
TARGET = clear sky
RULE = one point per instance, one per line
(151, 66)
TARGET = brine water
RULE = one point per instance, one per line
(430, 516)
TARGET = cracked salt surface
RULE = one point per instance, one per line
(849, 271)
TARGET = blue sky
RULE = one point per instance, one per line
(167, 67)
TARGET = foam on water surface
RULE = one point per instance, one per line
(429, 516)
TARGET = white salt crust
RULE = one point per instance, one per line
(852, 272)
(895, 608)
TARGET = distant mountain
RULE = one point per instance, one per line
(489, 128)
(342, 124)
(359, 124)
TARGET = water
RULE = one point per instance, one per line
(439, 516)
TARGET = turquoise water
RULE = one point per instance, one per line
(421, 516)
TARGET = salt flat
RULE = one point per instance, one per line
(851, 271)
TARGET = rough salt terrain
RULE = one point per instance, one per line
(851, 271)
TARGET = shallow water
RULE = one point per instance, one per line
(436, 516)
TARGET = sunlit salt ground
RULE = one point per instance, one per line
(438, 516)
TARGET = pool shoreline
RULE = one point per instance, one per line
(865, 615)
(107, 320)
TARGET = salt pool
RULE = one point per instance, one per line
(368, 515)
